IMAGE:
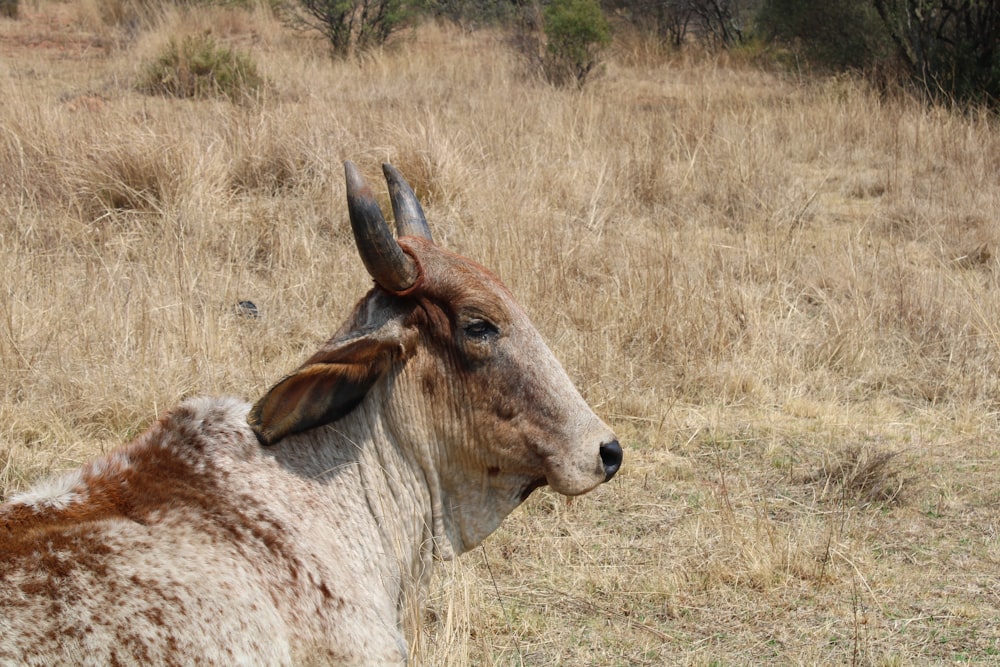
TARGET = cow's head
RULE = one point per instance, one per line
(442, 360)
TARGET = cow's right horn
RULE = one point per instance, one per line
(410, 220)
(392, 269)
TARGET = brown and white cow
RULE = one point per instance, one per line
(294, 531)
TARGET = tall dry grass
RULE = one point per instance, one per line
(782, 294)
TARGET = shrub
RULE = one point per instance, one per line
(351, 24)
(835, 35)
(9, 8)
(198, 67)
(575, 31)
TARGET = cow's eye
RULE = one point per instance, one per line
(481, 329)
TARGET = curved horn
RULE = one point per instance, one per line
(386, 262)
(410, 220)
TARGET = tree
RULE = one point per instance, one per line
(951, 48)
(352, 24)
(669, 20)
(720, 22)
(715, 23)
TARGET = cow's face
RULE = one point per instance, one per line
(489, 379)
(448, 364)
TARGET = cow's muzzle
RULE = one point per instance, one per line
(611, 457)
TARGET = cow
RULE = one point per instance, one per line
(295, 531)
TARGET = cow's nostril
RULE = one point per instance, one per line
(611, 457)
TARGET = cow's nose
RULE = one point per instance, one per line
(611, 457)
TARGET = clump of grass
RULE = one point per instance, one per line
(119, 13)
(866, 475)
(128, 178)
(197, 67)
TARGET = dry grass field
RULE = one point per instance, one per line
(784, 295)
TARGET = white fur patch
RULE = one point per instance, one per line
(54, 493)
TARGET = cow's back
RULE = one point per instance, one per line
(188, 547)
(119, 592)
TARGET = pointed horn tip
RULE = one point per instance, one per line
(394, 177)
(357, 186)
(410, 219)
(352, 175)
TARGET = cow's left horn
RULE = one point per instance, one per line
(410, 220)
(386, 262)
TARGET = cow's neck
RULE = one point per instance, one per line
(461, 503)
(400, 500)
(390, 459)
(361, 471)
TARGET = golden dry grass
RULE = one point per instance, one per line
(782, 295)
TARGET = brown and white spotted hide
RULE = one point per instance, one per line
(296, 530)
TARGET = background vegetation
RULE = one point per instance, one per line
(197, 66)
(781, 291)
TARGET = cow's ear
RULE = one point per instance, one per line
(324, 389)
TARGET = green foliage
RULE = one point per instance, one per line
(576, 32)
(352, 25)
(197, 67)
(835, 35)
(9, 8)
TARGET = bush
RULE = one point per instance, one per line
(351, 25)
(835, 35)
(197, 67)
(575, 32)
